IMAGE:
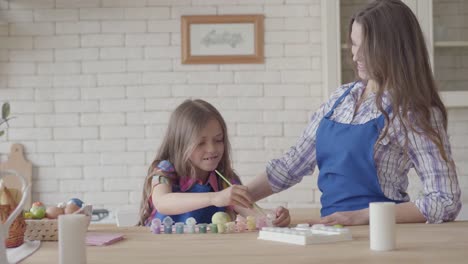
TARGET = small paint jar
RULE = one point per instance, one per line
(261, 222)
(155, 229)
(230, 227)
(251, 223)
(167, 221)
(190, 223)
(179, 228)
(270, 217)
(202, 228)
(155, 226)
(191, 229)
(221, 228)
(241, 226)
(168, 229)
(214, 228)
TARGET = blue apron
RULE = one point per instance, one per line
(202, 215)
(345, 158)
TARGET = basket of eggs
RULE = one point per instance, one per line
(42, 224)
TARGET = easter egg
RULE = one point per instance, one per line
(76, 201)
(27, 215)
(220, 218)
(71, 208)
(73, 205)
(37, 212)
(37, 204)
(53, 212)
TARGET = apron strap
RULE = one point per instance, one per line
(339, 100)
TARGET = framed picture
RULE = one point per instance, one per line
(222, 39)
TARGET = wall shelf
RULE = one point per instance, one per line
(451, 44)
(453, 99)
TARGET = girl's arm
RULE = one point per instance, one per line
(169, 203)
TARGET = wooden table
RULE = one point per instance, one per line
(416, 243)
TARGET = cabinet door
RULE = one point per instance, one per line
(450, 38)
(451, 44)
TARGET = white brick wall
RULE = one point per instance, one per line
(92, 84)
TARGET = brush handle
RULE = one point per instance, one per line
(258, 208)
(222, 177)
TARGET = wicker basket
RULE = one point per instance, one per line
(16, 232)
(47, 229)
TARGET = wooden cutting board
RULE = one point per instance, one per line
(18, 163)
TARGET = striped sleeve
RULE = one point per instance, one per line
(441, 199)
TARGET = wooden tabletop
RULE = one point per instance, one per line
(416, 243)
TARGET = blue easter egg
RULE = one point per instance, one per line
(75, 201)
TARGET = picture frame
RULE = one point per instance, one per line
(222, 39)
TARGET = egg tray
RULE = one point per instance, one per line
(47, 229)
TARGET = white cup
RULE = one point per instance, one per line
(72, 235)
(382, 226)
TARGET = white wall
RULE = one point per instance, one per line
(92, 84)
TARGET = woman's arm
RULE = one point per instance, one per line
(404, 213)
(259, 187)
(441, 199)
(408, 213)
(169, 203)
(298, 161)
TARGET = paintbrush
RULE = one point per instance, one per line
(259, 209)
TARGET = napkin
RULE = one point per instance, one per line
(102, 239)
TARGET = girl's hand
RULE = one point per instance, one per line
(358, 217)
(234, 195)
(282, 217)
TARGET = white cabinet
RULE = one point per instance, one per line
(445, 26)
(450, 38)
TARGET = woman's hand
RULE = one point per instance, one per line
(282, 217)
(237, 195)
(358, 217)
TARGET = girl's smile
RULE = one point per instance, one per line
(212, 162)
(211, 158)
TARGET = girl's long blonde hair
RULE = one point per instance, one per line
(397, 59)
(181, 138)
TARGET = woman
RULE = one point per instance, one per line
(370, 133)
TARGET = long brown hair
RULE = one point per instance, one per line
(397, 59)
(181, 138)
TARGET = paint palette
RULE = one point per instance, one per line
(303, 234)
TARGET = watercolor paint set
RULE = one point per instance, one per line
(304, 234)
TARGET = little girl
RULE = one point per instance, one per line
(181, 181)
